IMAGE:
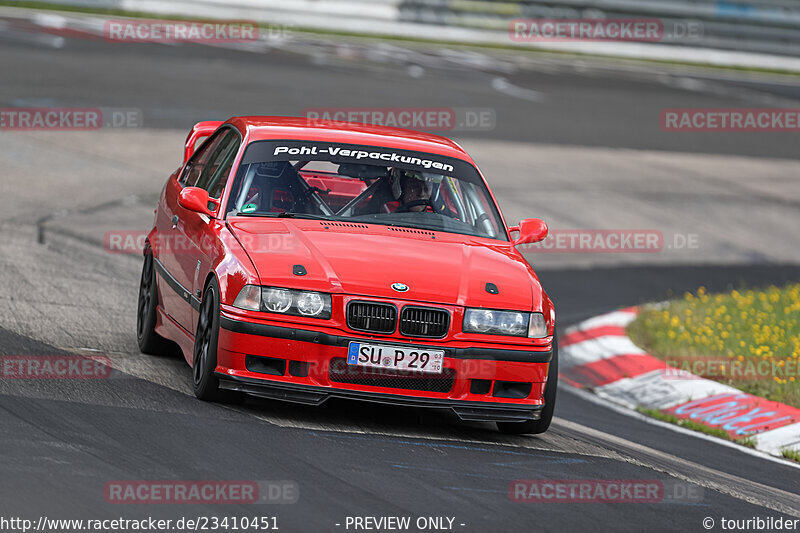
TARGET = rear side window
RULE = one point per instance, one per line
(217, 167)
(199, 160)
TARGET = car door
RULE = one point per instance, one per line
(174, 252)
(200, 232)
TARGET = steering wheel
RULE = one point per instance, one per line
(414, 203)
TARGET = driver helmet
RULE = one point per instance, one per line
(412, 184)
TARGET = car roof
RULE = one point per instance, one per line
(259, 128)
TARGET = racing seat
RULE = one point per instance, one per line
(273, 188)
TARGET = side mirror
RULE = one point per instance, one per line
(197, 200)
(530, 230)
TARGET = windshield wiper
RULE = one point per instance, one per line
(300, 215)
(282, 215)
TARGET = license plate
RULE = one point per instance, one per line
(395, 357)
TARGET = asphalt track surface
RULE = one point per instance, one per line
(62, 441)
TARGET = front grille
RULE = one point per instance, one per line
(424, 322)
(374, 317)
(341, 372)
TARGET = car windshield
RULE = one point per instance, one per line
(368, 184)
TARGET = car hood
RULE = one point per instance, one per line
(366, 260)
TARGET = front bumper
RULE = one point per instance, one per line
(474, 411)
(305, 366)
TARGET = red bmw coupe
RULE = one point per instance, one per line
(299, 260)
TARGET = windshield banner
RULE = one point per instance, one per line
(262, 151)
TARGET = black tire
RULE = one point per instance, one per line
(535, 427)
(204, 359)
(149, 341)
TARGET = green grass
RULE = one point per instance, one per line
(428, 41)
(749, 339)
(792, 455)
(749, 442)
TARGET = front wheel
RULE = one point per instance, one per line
(535, 427)
(206, 384)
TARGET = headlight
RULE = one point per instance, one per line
(493, 322)
(310, 303)
(513, 323)
(294, 302)
(478, 320)
(276, 300)
(284, 301)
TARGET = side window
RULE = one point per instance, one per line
(215, 172)
(219, 180)
(199, 160)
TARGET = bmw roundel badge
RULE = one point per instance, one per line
(400, 287)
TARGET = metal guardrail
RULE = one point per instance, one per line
(735, 27)
(766, 26)
(255, 9)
